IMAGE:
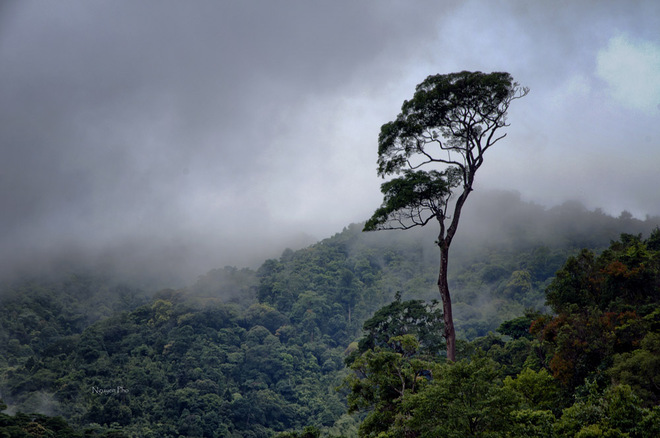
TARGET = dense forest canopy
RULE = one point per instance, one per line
(256, 353)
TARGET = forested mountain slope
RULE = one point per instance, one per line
(591, 369)
(252, 353)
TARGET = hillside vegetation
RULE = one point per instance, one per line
(555, 340)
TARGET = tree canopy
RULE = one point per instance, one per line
(457, 113)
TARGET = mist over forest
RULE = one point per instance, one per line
(184, 188)
(264, 351)
(491, 219)
(211, 135)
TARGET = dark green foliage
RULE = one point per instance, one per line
(40, 314)
(519, 327)
(614, 412)
(329, 289)
(245, 353)
(382, 381)
(653, 242)
(413, 199)
(538, 390)
(308, 432)
(438, 110)
(414, 317)
(465, 399)
(36, 425)
(178, 366)
(592, 371)
(640, 368)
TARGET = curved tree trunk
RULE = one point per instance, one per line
(443, 287)
(444, 242)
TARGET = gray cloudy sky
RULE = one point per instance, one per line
(220, 132)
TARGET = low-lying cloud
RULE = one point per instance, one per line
(212, 133)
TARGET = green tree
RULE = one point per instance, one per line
(413, 317)
(451, 121)
(640, 369)
(617, 412)
(464, 399)
(519, 327)
(382, 380)
(539, 390)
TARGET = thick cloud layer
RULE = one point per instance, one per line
(202, 133)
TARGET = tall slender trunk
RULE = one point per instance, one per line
(443, 287)
(444, 241)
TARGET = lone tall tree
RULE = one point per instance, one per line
(451, 121)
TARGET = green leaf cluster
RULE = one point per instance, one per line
(413, 199)
(459, 107)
